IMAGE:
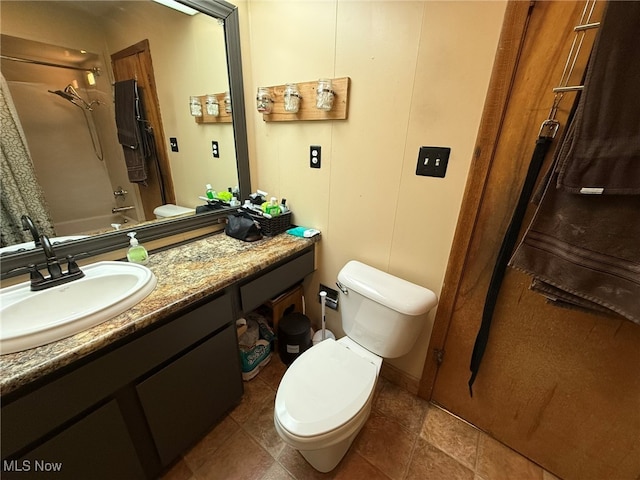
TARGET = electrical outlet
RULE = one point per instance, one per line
(214, 149)
(331, 300)
(173, 143)
(315, 156)
(432, 161)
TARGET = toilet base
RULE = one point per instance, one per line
(328, 458)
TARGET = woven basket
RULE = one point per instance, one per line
(272, 226)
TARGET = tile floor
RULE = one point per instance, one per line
(404, 438)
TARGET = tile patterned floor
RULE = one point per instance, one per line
(405, 438)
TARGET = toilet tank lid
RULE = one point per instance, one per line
(170, 210)
(395, 293)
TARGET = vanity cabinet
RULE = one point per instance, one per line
(129, 412)
(130, 409)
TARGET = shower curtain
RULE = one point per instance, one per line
(20, 192)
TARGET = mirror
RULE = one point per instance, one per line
(190, 168)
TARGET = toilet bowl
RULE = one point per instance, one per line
(171, 210)
(325, 396)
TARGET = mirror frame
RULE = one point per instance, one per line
(16, 264)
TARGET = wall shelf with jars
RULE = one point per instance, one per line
(324, 99)
(211, 108)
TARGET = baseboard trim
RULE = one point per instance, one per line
(400, 378)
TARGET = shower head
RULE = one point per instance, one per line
(71, 94)
(64, 95)
(70, 90)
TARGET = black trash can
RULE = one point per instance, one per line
(294, 336)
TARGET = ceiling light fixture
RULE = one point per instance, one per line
(177, 6)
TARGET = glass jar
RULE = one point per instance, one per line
(227, 102)
(291, 98)
(264, 103)
(324, 95)
(213, 108)
(196, 106)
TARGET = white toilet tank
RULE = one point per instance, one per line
(383, 313)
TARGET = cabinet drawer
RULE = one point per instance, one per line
(184, 399)
(39, 412)
(267, 286)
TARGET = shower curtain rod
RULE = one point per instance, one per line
(94, 70)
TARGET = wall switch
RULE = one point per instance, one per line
(214, 149)
(173, 143)
(331, 300)
(315, 156)
(432, 161)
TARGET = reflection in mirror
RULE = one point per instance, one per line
(83, 182)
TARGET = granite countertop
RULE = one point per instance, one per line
(185, 274)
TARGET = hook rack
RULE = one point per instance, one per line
(223, 117)
(308, 110)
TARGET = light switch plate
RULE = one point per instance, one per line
(433, 161)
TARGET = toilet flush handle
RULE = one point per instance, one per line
(342, 288)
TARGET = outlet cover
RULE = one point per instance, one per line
(173, 143)
(315, 156)
(215, 150)
(432, 161)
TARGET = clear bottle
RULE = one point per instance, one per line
(324, 95)
(136, 253)
(291, 98)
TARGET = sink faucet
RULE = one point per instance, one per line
(56, 275)
(52, 261)
(27, 224)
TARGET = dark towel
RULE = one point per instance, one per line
(584, 250)
(126, 117)
(128, 125)
(604, 157)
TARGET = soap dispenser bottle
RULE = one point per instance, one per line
(136, 253)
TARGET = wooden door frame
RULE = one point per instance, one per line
(510, 44)
(154, 117)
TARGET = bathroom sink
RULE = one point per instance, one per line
(23, 247)
(30, 319)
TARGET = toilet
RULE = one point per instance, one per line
(325, 396)
(170, 210)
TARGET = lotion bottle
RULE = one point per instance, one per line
(136, 253)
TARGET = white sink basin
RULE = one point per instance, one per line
(30, 319)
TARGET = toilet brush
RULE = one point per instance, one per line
(324, 333)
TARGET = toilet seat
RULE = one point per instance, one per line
(325, 388)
